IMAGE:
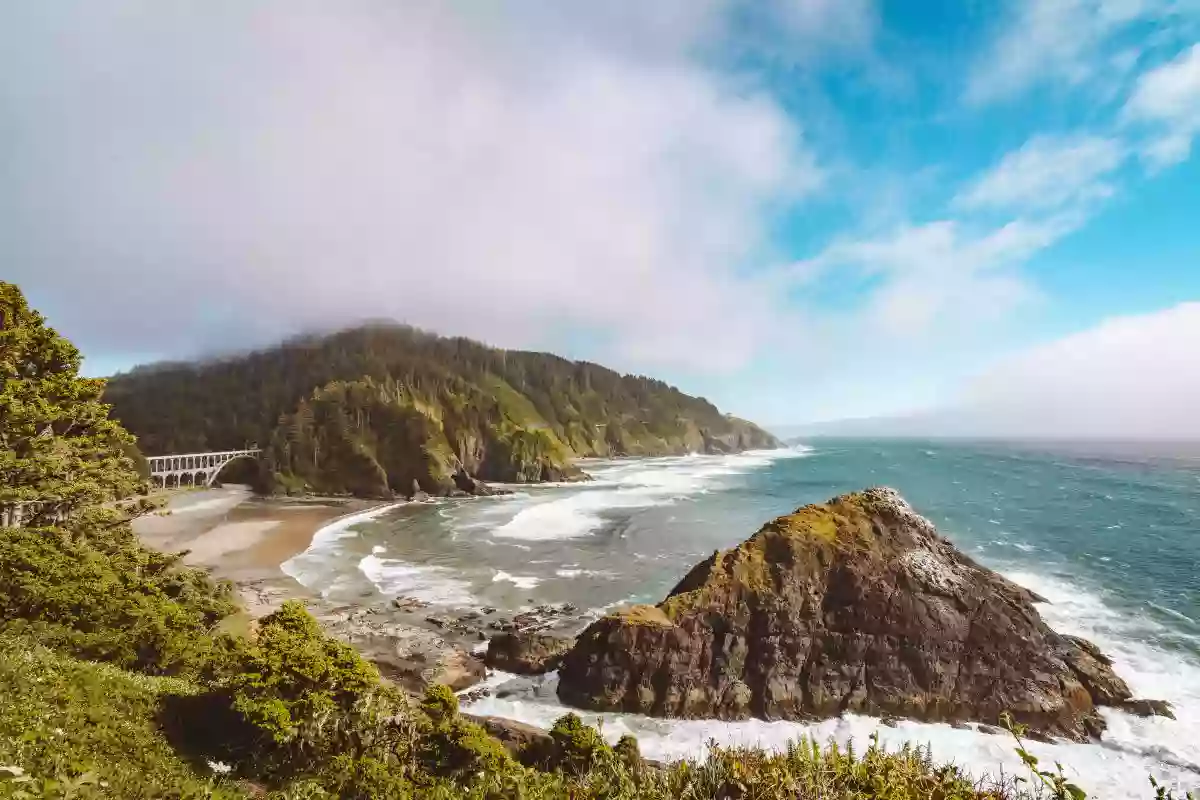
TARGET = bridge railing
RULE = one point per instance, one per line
(191, 465)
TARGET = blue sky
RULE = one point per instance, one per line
(802, 209)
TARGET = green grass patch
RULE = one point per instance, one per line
(71, 728)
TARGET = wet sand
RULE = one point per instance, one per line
(244, 539)
(238, 536)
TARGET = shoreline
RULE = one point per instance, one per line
(246, 539)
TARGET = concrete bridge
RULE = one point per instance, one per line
(194, 469)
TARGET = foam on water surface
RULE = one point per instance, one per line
(520, 581)
(306, 566)
(430, 584)
(625, 485)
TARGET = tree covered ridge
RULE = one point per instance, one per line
(371, 409)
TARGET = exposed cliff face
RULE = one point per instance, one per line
(379, 439)
(853, 605)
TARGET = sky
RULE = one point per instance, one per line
(804, 210)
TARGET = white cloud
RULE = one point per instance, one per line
(1048, 172)
(1062, 43)
(846, 23)
(934, 279)
(224, 173)
(1133, 376)
(1167, 99)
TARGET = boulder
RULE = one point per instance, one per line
(526, 652)
(468, 484)
(1148, 708)
(854, 605)
(417, 495)
(412, 657)
(562, 473)
(418, 669)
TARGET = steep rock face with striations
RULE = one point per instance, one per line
(373, 409)
(378, 438)
(855, 605)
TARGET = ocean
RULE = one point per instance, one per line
(1109, 534)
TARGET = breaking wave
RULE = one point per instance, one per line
(635, 484)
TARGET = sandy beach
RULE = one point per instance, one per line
(244, 539)
(239, 536)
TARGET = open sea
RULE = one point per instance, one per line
(1108, 533)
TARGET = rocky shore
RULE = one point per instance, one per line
(855, 605)
(244, 539)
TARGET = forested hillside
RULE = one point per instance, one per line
(372, 409)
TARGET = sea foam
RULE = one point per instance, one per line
(520, 581)
(635, 484)
(308, 566)
(430, 584)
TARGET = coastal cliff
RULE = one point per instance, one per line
(854, 605)
(383, 410)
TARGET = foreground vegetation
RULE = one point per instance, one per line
(115, 681)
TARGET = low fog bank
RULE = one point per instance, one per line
(1133, 379)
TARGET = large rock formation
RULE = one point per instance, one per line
(855, 605)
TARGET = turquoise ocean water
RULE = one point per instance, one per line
(1109, 533)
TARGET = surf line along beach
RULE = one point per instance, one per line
(245, 539)
(249, 541)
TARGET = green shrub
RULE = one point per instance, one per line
(365, 778)
(452, 747)
(807, 769)
(70, 726)
(578, 748)
(440, 704)
(104, 597)
(629, 753)
(299, 697)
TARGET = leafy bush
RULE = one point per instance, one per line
(72, 728)
(629, 753)
(107, 598)
(450, 746)
(578, 748)
(289, 701)
(365, 778)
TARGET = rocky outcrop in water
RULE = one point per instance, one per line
(855, 605)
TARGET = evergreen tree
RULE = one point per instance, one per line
(60, 453)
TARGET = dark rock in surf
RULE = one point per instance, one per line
(466, 483)
(1148, 708)
(527, 653)
(855, 605)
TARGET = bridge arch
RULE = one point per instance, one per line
(172, 470)
(213, 470)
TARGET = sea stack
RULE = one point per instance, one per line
(854, 605)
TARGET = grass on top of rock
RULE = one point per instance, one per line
(644, 615)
